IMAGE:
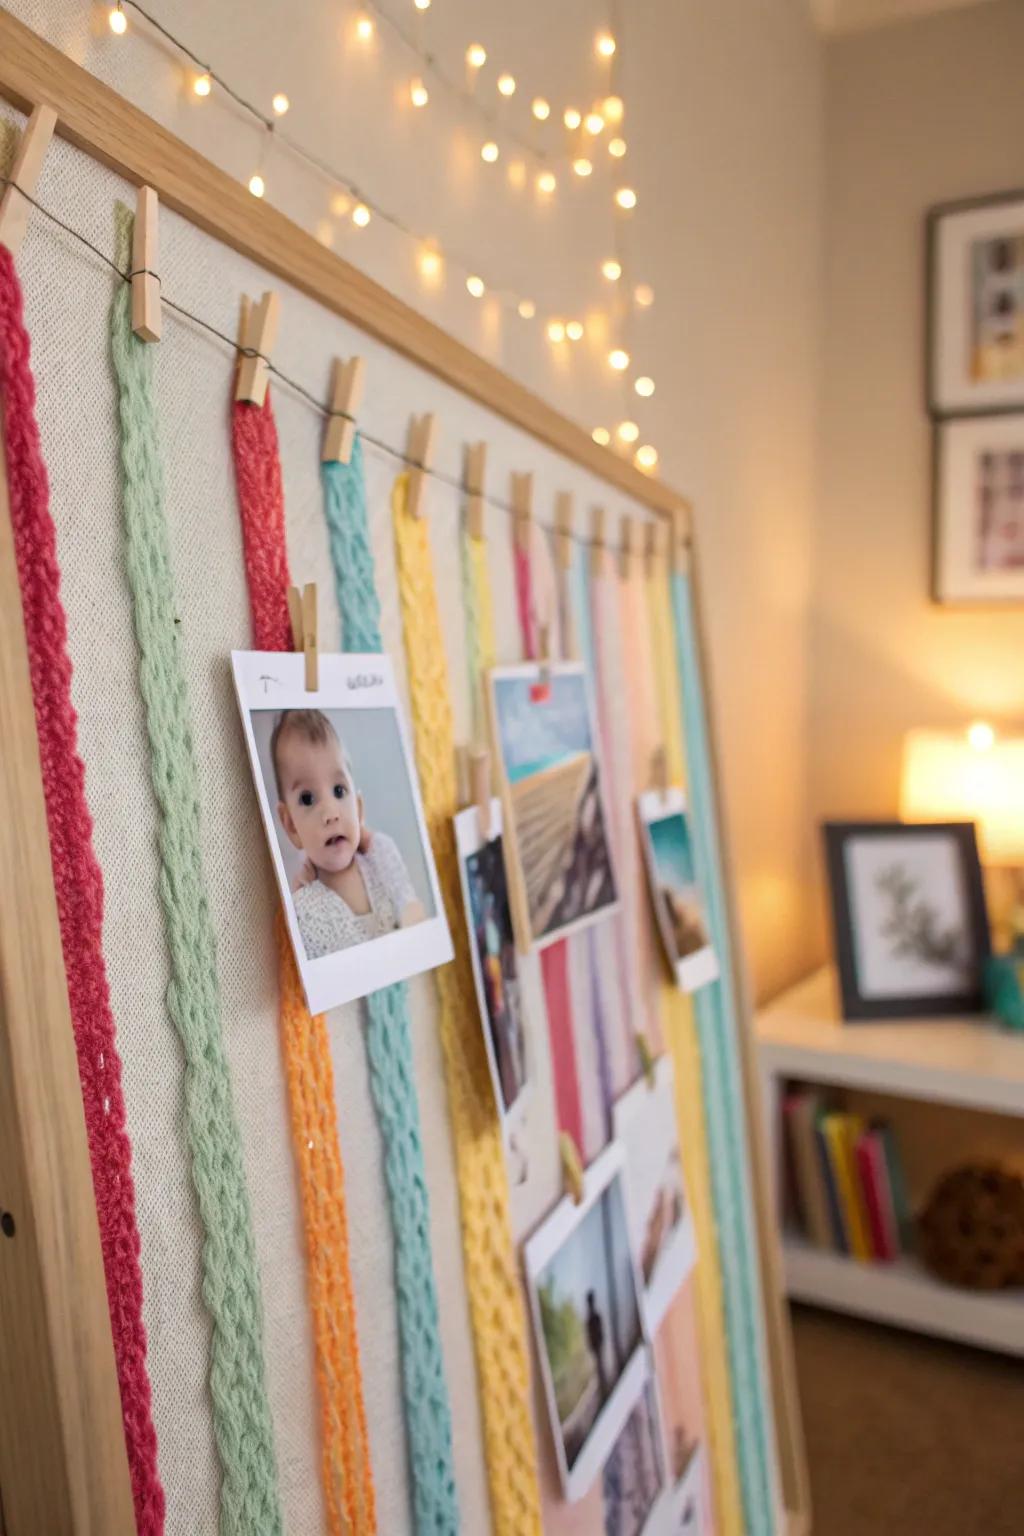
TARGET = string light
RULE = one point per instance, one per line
(476, 56)
(594, 123)
(361, 215)
(605, 44)
(644, 386)
(643, 293)
(257, 186)
(556, 330)
(364, 28)
(611, 269)
(617, 148)
(202, 85)
(517, 174)
(430, 263)
(646, 457)
(280, 103)
(627, 431)
(626, 198)
(118, 20)
(475, 286)
(507, 85)
(340, 204)
(582, 166)
(527, 309)
(541, 109)
(422, 5)
(418, 94)
(601, 436)
(571, 118)
(618, 359)
(574, 330)
(489, 152)
(546, 182)
(612, 107)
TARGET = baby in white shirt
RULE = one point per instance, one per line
(352, 896)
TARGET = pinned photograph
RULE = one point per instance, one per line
(661, 1228)
(495, 960)
(344, 822)
(561, 865)
(633, 1481)
(679, 905)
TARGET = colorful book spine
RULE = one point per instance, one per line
(898, 1189)
(841, 1131)
(840, 1237)
(874, 1181)
(801, 1114)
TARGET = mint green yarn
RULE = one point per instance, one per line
(250, 1503)
(392, 1080)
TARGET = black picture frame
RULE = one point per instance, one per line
(856, 1006)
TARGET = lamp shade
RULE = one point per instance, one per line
(970, 775)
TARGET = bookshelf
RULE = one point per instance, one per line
(965, 1062)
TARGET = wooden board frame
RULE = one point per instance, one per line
(63, 1467)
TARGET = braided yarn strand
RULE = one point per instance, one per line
(392, 1079)
(78, 883)
(305, 1045)
(250, 1500)
(495, 1298)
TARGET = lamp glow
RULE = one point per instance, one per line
(430, 263)
(605, 44)
(475, 286)
(611, 269)
(280, 104)
(422, 5)
(618, 359)
(361, 215)
(364, 28)
(489, 152)
(476, 55)
(202, 85)
(971, 775)
(626, 198)
(418, 94)
(118, 21)
(507, 84)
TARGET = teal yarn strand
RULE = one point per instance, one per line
(717, 1023)
(250, 1502)
(392, 1080)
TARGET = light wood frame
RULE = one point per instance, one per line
(63, 1467)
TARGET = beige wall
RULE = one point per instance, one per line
(916, 114)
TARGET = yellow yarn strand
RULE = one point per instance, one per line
(484, 601)
(681, 1029)
(495, 1297)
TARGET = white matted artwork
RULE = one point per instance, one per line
(679, 904)
(584, 1295)
(661, 1225)
(979, 509)
(495, 960)
(341, 808)
(556, 824)
(976, 321)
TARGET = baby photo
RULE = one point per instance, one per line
(342, 812)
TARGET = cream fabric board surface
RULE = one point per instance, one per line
(67, 296)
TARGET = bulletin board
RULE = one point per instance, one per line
(721, 1356)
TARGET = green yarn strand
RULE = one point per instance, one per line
(250, 1502)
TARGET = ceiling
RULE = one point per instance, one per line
(857, 15)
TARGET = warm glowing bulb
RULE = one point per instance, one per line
(527, 309)
(364, 28)
(605, 44)
(257, 186)
(611, 269)
(574, 330)
(627, 431)
(546, 181)
(541, 109)
(430, 263)
(644, 386)
(489, 152)
(617, 148)
(626, 197)
(340, 204)
(613, 109)
(644, 295)
(571, 118)
(418, 94)
(202, 85)
(646, 457)
(507, 85)
(981, 737)
(476, 55)
(556, 330)
(517, 174)
(602, 436)
(280, 103)
(594, 123)
(618, 359)
(475, 286)
(118, 21)
(582, 166)
(422, 5)
(361, 215)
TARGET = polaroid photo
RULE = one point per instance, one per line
(495, 960)
(679, 904)
(661, 1227)
(585, 1299)
(683, 1508)
(542, 727)
(633, 1481)
(341, 809)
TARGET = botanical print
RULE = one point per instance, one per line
(909, 913)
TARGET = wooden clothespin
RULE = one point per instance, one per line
(24, 177)
(475, 475)
(302, 612)
(627, 547)
(654, 547)
(572, 1167)
(680, 533)
(480, 790)
(647, 1061)
(659, 770)
(347, 381)
(420, 453)
(563, 529)
(522, 508)
(146, 314)
(598, 552)
(260, 333)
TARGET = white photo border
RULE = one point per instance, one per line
(953, 229)
(958, 442)
(698, 969)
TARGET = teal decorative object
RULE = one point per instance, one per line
(1004, 994)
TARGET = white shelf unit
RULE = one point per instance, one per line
(960, 1061)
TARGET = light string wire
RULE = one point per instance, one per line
(307, 395)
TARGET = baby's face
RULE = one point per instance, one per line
(320, 809)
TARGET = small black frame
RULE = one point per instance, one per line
(855, 1006)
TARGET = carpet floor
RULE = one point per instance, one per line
(907, 1434)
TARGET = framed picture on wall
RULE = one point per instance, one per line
(976, 306)
(978, 509)
(909, 917)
